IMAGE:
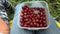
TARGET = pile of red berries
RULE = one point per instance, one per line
(30, 18)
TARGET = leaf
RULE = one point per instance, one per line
(58, 24)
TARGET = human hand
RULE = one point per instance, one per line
(3, 27)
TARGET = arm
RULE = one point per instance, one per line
(8, 6)
(3, 15)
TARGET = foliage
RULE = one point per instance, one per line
(54, 6)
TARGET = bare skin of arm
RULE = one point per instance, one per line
(4, 29)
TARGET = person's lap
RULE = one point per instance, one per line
(16, 30)
(51, 30)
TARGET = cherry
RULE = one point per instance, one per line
(25, 7)
(38, 15)
(44, 22)
(40, 25)
(36, 20)
(26, 16)
(41, 9)
(21, 14)
(25, 25)
(37, 25)
(25, 13)
(27, 22)
(31, 10)
(26, 19)
(21, 20)
(31, 19)
(40, 21)
(31, 24)
(22, 24)
(32, 15)
(45, 25)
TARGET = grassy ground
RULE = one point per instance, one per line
(54, 7)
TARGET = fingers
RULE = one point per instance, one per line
(6, 32)
(3, 26)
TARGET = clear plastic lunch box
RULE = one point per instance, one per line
(42, 4)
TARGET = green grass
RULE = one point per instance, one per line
(54, 6)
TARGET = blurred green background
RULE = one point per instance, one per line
(54, 7)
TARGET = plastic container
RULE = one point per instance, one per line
(42, 4)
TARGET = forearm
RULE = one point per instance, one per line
(8, 5)
(4, 16)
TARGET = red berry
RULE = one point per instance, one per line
(40, 21)
(21, 20)
(41, 25)
(26, 19)
(42, 9)
(44, 21)
(37, 20)
(25, 25)
(43, 18)
(22, 24)
(25, 13)
(21, 14)
(25, 7)
(38, 15)
(34, 20)
(31, 24)
(31, 10)
(31, 19)
(45, 25)
(25, 16)
(37, 25)
(41, 13)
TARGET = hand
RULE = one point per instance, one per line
(3, 27)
